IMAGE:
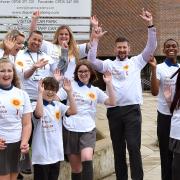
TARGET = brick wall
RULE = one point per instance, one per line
(121, 18)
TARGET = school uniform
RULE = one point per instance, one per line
(47, 142)
(14, 103)
(79, 129)
(163, 73)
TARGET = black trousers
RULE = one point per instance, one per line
(166, 156)
(46, 172)
(176, 167)
(125, 129)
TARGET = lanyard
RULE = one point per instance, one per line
(30, 55)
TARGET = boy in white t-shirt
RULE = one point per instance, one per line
(47, 143)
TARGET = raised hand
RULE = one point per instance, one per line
(107, 77)
(147, 16)
(9, 43)
(58, 75)
(40, 63)
(97, 33)
(40, 86)
(36, 14)
(67, 85)
(64, 44)
(2, 143)
(94, 21)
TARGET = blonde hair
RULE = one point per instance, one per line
(13, 33)
(15, 81)
(73, 48)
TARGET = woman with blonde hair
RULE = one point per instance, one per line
(57, 49)
(15, 121)
(12, 44)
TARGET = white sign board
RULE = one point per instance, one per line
(48, 8)
(16, 14)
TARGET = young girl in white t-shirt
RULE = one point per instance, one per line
(15, 121)
(79, 131)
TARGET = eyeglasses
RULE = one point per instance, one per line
(83, 72)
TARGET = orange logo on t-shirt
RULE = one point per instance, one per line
(17, 104)
(126, 67)
(57, 115)
(92, 96)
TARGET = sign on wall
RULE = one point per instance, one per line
(48, 8)
(16, 14)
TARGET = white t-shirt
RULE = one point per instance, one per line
(25, 61)
(86, 100)
(13, 104)
(47, 143)
(175, 125)
(54, 51)
(126, 79)
(163, 74)
(11, 58)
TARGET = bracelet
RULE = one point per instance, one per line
(150, 26)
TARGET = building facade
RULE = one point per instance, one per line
(121, 18)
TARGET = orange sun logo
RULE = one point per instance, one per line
(16, 103)
(92, 96)
(126, 67)
(57, 115)
(20, 63)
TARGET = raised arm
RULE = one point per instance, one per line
(111, 101)
(154, 81)
(9, 43)
(96, 34)
(72, 105)
(152, 40)
(94, 24)
(38, 112)
(39, 64)
(34, 20)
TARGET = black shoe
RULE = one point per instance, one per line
(26, 171)
(20, 177)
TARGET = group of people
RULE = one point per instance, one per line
(50, 73)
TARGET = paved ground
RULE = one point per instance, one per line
(150, 152)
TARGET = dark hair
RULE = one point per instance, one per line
(35, 32)
(15, 81)
(121, 39)
(170, 40)
(50, 83)
(93, 75)
(176, 99)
